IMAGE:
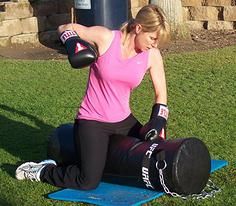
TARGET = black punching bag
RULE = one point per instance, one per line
(61, 147)
(185, 161)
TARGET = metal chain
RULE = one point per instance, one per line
(209, 191)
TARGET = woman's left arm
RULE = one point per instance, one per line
(155, 127)
(157, 74)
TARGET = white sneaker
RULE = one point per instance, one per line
(31, 170)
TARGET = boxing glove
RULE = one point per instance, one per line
(80, 53)
(156, 127)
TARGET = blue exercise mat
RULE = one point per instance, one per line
(107, 194)
(217, 164)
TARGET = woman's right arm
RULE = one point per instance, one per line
(96, 35)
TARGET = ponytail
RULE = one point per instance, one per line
(151, 18)
(127, 27)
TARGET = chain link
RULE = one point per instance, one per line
(209, 191)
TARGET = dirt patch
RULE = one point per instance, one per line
(33, 52)
(198, 41)
(204, 40)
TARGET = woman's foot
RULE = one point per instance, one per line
(31, 170)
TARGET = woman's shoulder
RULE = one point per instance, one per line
(154, 56)
(96, 34)
(104, 38)
(99, 35)
(154, 51)
(102, 33)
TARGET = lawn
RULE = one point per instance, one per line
(38, 96)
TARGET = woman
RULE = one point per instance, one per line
(122, 59)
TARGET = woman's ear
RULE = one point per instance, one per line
(138, 28)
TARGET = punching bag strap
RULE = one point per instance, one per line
(146, 163)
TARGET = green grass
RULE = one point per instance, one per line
(37, 96)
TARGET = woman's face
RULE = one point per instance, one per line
(145, 40)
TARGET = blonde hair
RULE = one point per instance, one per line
(151, 18)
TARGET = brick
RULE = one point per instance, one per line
(34, 24)
(195, 25)
(2, 16)
(16, 10)
(10, 27)
(4, 41)
(218, 2)
(193, 3)
(229, 13)
(25, 38)
(186, 14)
(204, 13)
(220, 25)
(30, 25)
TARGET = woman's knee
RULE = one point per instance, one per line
(88, 183)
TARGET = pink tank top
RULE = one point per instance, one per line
(111, 81)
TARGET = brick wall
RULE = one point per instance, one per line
(210, 14)
(34, 21)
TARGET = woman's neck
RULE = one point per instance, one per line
(128, 45)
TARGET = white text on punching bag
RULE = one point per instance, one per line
(145, 172)
(150, 150)
(145, 177)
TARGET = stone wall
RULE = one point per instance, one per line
(35, 21)
(32, 21)
(210, 14)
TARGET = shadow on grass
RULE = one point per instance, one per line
(21, 140)
(9, 169)
(5, 203)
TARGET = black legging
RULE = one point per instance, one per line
(91, 140)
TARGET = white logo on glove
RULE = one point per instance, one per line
(79, 47)
(163, 112)
(67, 34)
